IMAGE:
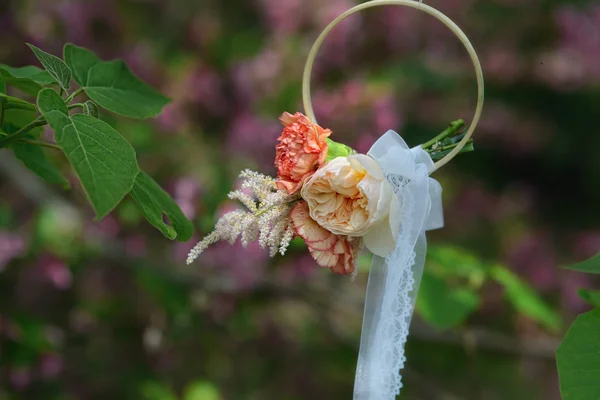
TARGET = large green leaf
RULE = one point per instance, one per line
(29, 78)
(578, 359)
(2, 85)
(35, 159)
(112, 85)
(524, 298)
(591, 265)
(442, 306)
(154, 202)
(80, 61)
(54, 65)
(104, 162)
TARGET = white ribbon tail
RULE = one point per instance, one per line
(394, 280)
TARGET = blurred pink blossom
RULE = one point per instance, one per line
(254, 138)
(586, 245)
(386, 115)
(108, 226)
(297, 269)
(532, 255)
(80, 18)
(501, 64)
(258, 77)
(143, 63)
(20, 377)
(11, 246)
(50, 366)
(284, 17)
(186, 194)
(243, 267)
(575, 61)
(204, 88)
(342, 40)
(570, 283)
(136, 245)
(55, 271)
(173, 118)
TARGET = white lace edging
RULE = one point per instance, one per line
(397, 306)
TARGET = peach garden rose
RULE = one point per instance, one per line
(350, 196)
(301, 150)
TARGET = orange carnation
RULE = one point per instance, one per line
(301, 151)
(329, 250)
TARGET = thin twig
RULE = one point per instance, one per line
(76, 105)
(73, 95)
(40, 143)
(21, 132)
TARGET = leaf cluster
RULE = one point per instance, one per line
(103, 161)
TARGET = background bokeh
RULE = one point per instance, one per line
(108, 310)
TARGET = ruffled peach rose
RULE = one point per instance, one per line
(350, 196)
(302, 149)
(329, 250)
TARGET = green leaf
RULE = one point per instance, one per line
(154, 202)
(104, 162)
(335, 150)
(29, 79)
(90, 108)
(54, 65)
(578, 359)
(201, 391)
(2, 85)
(442, 306)
(452, 262)
(591, 265)
(156, 391)
(524, 298)
(35, 159)
(592, 297)
(112, 85)
(14, 102)
(80, 61)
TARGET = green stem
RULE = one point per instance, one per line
(440, 152)
(73, 95)
(21, 132)
(40, 143)
(76, 105)
(451, 146)
(451, 130)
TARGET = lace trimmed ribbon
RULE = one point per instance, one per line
(394, 280)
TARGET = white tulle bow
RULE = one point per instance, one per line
(394, 279)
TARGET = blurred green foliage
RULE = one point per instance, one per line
(108, 310)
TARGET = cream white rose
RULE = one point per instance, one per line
(350, 196)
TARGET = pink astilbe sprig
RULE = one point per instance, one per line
(265, 217)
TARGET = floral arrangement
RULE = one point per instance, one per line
(336, 200)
